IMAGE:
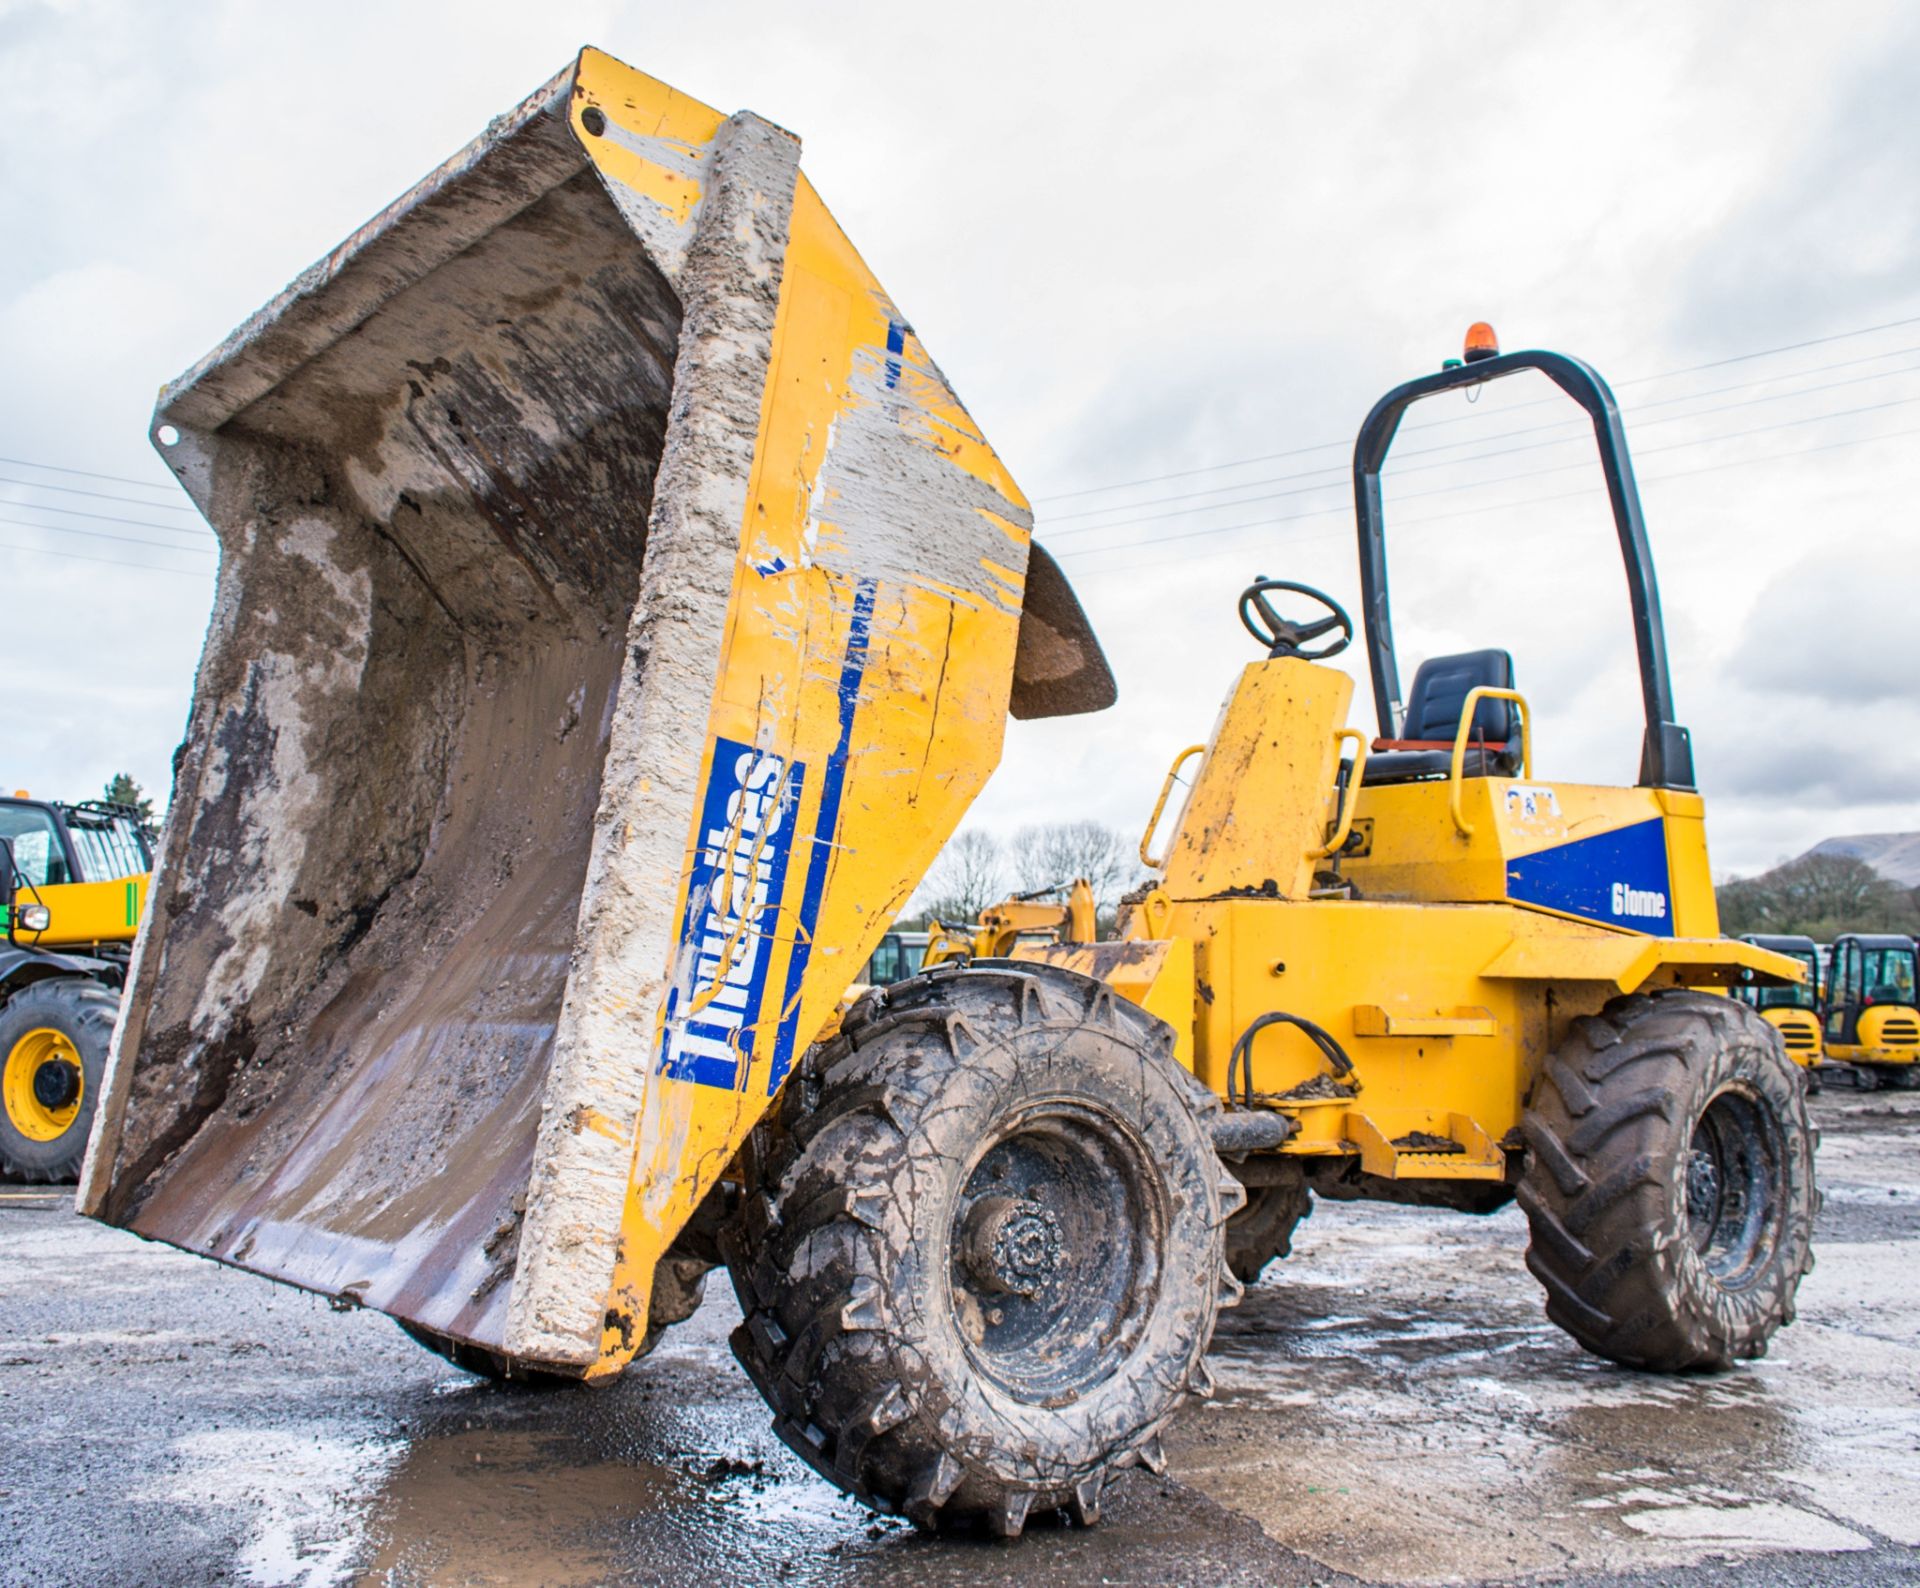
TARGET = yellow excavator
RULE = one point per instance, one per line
(617, 612)
(73, 884)
(1873, 1010)
(1794, 1011)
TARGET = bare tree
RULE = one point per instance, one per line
(970, 874)
(1054, 854)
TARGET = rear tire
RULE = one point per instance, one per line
(1262, 1231)
(982, 1248)
(1669, 1182)
(54, 1036)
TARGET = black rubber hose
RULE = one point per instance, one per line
(1242, 1052)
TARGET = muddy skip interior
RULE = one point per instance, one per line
(432, 546)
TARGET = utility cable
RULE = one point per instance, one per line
(1347, 441)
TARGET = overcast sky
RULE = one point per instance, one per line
(1140, 248)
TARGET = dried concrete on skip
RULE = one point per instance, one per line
(1392, 1408)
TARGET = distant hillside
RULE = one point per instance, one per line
(1895, 856)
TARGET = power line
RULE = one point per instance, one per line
(1340, 470)
(111, 562)
(1347, 441)
(105, 496)
(112, 518)
(1467, 512)
(89, 474)
(102, 534)
(1328, 485)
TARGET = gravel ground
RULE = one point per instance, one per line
(1393, 1408)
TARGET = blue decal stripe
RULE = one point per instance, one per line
(896, 345)
(1618, 878)
(825, 828)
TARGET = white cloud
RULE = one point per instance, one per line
(1138, 244)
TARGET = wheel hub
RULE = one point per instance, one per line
(42, 1084)
(56, 1085)
(1734, 1186)
(1012, 1245)
(1703, 1186)
(1053, 1251)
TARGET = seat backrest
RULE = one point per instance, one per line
(1440, 689)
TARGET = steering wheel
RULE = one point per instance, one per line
(1283, 638)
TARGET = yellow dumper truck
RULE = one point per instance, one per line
(617, 612)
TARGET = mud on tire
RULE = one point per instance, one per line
(982, 1247)
(1669, 1182)
(44, 1028)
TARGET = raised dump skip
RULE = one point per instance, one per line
(616, 613)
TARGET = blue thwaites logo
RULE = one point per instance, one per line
(733, 906)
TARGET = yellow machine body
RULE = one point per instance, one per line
(617, 612)
(1796, 1011)
(88, 914)
(1467, 921)
(85, 865)
(1003, 927)
(1886, 1034)
(1799, 1034)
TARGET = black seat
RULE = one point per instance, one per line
(1440, 689)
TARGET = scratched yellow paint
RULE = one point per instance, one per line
(647, 108)
(924, 734)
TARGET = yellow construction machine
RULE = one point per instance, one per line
(1038, 915)
(1795, 1010)
(1872, 1009)
(73, 884)
(617, 612)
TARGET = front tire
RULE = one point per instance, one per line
(982, 1249)
(1669, 1183)
(54, 1036)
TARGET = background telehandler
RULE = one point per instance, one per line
(1018, 918)
(617, 611)
(73, 881)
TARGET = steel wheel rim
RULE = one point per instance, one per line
(43, 1084)
(1055, 1251)
(1735, 1174)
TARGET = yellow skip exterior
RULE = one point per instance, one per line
(834, 667)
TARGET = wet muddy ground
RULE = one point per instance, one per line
(1393, 1408)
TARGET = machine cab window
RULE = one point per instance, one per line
(1804, 995)
(1888, 975)
(1868, 973)
(108, 846)
(38, 854)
